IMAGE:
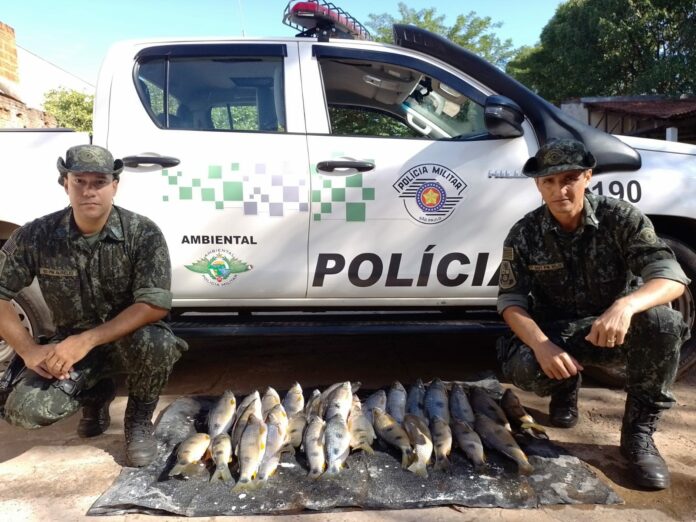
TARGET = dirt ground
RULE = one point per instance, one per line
(51, 474)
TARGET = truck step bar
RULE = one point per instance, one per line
(332, 323)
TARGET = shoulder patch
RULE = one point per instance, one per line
(3, 257)
(508, 254)
(507, 276)
(647, 235)
(10, 245)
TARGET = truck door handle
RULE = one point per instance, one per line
(328, 167)
(162, 161)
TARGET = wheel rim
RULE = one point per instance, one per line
(6, 350)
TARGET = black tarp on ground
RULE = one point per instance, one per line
(370, 481)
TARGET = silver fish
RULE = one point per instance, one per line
(436, 401)
(483, 404)
(442, 442)
(189, 454)
(296, 427)
(392, 433)
(396, 401)
(460, 408)
(338, 402)
(518, 416)
(337, 443)
(269, 400)
(470, 442)
(252, 446)
(313, 405)
(362, 434)
(293, 402)
(221, 416)
(422, 441)
(253, 407)
(277, 430)
(313, 442)
(497, 437)
(377, 400)
(222, 455)
(415, 400)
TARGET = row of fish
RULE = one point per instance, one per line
(331, 423)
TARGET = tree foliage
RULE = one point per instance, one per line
(72, 109)
(469, 30)
(611, 48)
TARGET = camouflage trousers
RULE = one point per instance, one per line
(650, 354)
(146, 356)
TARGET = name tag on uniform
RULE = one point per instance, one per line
(58, 272)
(545, 268)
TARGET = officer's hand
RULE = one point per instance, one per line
(556, 362)
(609, 329)
(34, 358)
(64, 355)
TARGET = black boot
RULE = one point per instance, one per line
(141, 446)
(647, 465)
(563, 409)
(95, 409)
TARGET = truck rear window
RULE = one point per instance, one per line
(214, 93)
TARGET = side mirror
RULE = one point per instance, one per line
(503, 117)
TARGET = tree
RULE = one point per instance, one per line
(611, 48)
(469, 31)
(72, 109)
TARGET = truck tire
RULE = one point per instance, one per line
(34, 315)
(686, 304)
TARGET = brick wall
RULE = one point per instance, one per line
(13, 112)
(8, 53)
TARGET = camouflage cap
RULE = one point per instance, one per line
(559, 155)
(89, 158)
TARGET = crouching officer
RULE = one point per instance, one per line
(105, 275)
(585, 280)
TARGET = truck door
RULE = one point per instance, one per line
(407, 197)
(235, 209)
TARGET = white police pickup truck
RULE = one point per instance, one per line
(323, 173)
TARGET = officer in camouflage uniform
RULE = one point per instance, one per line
(105, 275)
(585, 280)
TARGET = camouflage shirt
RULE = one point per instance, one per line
(560, 275)
(86, 285)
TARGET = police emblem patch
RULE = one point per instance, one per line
(647, 235)
(507, 276)
(430, 192)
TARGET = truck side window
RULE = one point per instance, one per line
(381, 99)
(214, 93)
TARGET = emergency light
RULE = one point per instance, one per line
(323, 19)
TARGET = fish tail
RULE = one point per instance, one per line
(407, 458)
(419, 469)
(244, 484)
(315, 473)
(333, 469)
(365, 447)
(441, 463)
(533, 426)
(184, 469)
(525, 468)
(222, 472)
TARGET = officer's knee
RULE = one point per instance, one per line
(660, 320)
(25, 414)
(156, 343)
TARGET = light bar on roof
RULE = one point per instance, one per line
(322, 18)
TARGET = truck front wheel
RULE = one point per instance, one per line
(686, 304)
(34, 315)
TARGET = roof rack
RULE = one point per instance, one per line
(324, 20)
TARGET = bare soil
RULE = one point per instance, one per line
(51, 474)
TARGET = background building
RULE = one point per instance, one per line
(24, 79)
